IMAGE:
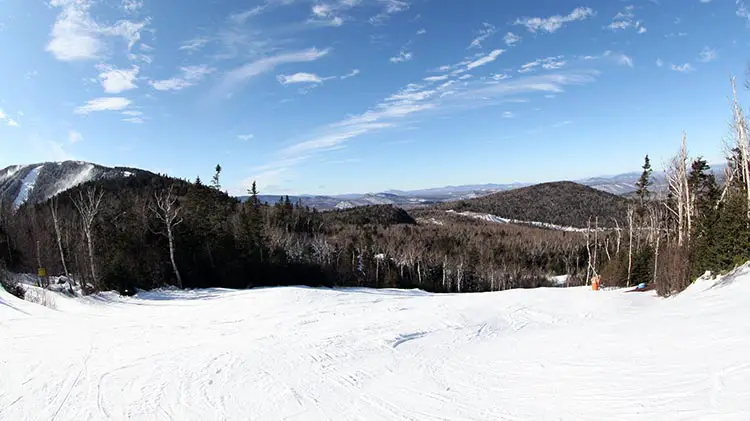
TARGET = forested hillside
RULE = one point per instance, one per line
(218, 241)
(561, 203)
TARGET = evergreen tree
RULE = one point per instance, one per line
(705, 195)
(644, 182)
(215, 183)
(198, 181)
(252, 227)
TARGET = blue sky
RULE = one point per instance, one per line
(340, 96)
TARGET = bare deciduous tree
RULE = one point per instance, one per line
(741, 129)
(678, 183)
(58, 233)
(631, 223)
(88, 208)
(168, 211)
(656, 218)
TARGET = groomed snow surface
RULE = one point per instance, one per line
(319, 354)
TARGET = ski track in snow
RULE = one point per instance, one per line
(319, 354)
(27, 185)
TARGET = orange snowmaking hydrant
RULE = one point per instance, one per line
(595, 283)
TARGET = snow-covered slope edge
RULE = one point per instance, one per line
(306, 353)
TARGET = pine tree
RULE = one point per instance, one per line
(252, 227)
(644, 182)
(215, 182)
(198, 181)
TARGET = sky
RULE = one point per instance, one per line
(355, 96)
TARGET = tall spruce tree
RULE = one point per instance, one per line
(644, 182)
(705, 196)
(215, 181)
(252, 227)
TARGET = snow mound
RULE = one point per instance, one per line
(341, 354)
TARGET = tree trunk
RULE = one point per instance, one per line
(89, 243)
(53, 208)
(630, 244)
(171, 256)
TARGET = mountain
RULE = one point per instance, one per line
(36, 183)
(563, 203)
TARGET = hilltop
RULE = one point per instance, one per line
(561, 203)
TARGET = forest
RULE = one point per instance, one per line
(149, 230)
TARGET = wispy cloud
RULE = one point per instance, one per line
(353, 73)
(553, 23)
(708, 55)
(625, 20)
(487, 30)
(245, 136)
(103, 104)
(390, 7)
(549, 63)
(511, 39)
(74, 136)
(742, 11)
(299, 78)
(189, 76)
(9, 121)
(401, 57)
(195, 44)
(436, 78)
(619, 58)
(489, 58)
(236, 77)
(683, 68)
(115, 80)
(415, 99)
(659, 62)
(132, 6)
(242, 16)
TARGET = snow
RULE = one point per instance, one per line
(320, 354)
(560, 280)
(9, 172)
(85, 173)
(499, 220)
(27, 185)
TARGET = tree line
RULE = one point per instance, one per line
(696, 226)
(150, 230)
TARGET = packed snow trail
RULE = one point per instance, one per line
(361, 354)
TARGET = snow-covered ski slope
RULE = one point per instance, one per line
(317, 354)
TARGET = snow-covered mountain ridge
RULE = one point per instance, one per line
(36, 183)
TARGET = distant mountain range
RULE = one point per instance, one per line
(38, 182)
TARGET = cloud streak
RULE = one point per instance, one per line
(189, 76)
(103, 104)
(236, 77)
(554, 23)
